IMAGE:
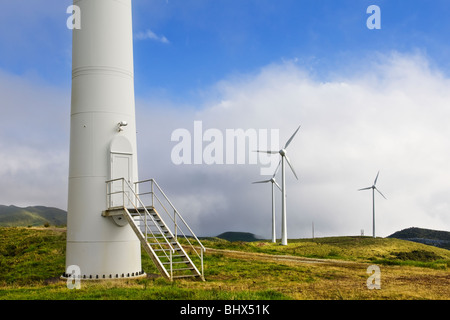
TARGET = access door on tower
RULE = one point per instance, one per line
(121, 169)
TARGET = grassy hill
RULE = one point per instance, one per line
(32, 260)
(238, 236)
(12, 216)
(436, 238)
(388, 251)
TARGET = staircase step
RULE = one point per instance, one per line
(176, 262)
(157, 232)
(186, 276)
(133, 209)
(159, 237)
(159, 242)
(168, 249)
(173, 256)
(183, 269)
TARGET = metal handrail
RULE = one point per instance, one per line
(138, 200)
(176, 216)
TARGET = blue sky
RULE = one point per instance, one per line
(209, 40)
(367, 100)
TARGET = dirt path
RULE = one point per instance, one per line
(281, 258)
(340, 279)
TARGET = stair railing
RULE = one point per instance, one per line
(180, 227)
(126, 189)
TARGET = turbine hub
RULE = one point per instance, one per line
(283, 152)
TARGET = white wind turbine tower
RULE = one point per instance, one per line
(284, 158)
(373, 187)
(274, 238)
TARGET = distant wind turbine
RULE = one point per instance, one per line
(284, 158)
(274, 238)
(373, 187)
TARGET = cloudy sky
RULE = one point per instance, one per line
(367, 100)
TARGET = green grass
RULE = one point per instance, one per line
(358, 249)
(32, 260)
(133, 291)
(30, 255)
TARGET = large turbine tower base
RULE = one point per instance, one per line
(102, 140)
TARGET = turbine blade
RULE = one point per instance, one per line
(292, 137)
(264, 181)
(290, 165)
(270, 152)
(380, 193)
(376, 178)
(276, 170)
(277, 185)
(365, 188)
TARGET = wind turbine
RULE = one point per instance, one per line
(284, 158)
(373, 187)
(273, 200)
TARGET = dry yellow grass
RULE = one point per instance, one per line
(31, 262)
(319, 279)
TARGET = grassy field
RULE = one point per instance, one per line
(31, 261)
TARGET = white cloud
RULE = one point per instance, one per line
(390, 116)
(149, 34)
(33, 142)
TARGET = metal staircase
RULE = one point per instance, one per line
(167, 244)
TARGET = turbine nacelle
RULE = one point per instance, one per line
(373, 187)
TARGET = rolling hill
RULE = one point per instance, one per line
(440, 239)
(238, 236)
(12, 216)
(32, 260)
